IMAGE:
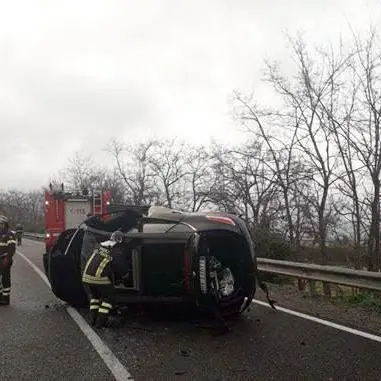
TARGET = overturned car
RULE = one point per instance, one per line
(203, 259)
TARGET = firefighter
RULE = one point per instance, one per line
(98, 279)
(7, 251)
(19, 232)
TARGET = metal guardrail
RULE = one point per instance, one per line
(39, 237)
(330, 274)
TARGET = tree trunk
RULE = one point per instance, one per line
(357, 254)
(323, 237)
(374, 236)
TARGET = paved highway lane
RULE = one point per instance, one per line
(265, 345)
(39, 340)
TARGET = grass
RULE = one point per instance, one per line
(346, 295)
(367, 300)
(352, 296)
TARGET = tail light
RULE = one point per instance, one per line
(222, 220)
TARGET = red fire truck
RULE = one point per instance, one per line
(67, 209)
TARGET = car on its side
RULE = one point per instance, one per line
(203, 259)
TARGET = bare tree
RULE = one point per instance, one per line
(23, 207)
(246, 184)
(314, 137)
(81, 172)
(35, 208)
(168, 168)
(365, 131)
(338, 105)
(133, 168)
(301, 213)
(198, 182)
(222, 192)
(282, 153)
(350, 185)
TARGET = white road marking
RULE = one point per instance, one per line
(34, 241)
(327, 323)
(340, 327)
(115, 366)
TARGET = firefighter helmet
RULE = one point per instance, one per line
(4, 221)
(117, 236)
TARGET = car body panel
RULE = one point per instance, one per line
(176, 257)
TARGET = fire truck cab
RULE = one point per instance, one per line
(68, 209)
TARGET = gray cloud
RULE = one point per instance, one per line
(74, 74)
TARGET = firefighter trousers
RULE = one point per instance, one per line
(5, 285)
(102, 302)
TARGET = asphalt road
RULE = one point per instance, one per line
(39, 340)
(45, 343)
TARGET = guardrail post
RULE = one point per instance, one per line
(327, 289)
(339, 291)
(312, 287)
(301, 284)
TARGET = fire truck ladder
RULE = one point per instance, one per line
(97, 202)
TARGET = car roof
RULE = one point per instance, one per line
(162, 220)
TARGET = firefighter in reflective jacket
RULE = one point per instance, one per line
(98, 279)
(7, 251)
(19, 232)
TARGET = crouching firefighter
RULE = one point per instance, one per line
(98, 279)
(7, 251)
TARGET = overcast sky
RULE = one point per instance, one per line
(74, 74)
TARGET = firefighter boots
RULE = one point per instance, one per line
(93, 317)
(103, 313)
(4, 300)
(102, 320)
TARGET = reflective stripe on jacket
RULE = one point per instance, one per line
(98, 267)
(7, 244)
